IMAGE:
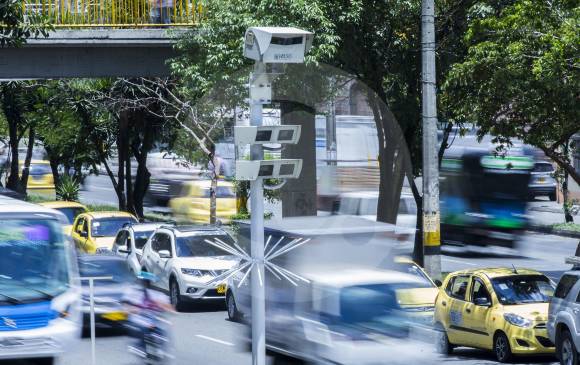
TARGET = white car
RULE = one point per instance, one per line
(130, 241)
(185, 263)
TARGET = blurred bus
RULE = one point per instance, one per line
(39, 291)
(484, 196)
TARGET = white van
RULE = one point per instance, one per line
(39, 288)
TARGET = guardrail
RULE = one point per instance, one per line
(117, 13)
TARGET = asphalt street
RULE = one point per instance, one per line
(204, 335)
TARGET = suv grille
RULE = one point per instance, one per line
(540, 326)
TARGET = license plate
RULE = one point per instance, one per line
(115, 316)
(541, 180)
(221, 289)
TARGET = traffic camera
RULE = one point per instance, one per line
(277, 44)
(278, 169)
(267, 134)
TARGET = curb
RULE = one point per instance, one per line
(557, 232)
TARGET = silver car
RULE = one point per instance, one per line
(542, 181)
(564, 318)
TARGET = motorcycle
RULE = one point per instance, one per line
(150, 328)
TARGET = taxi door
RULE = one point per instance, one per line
(77, 234)
(457, 291)
(477, 314)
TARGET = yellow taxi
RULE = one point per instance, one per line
(193, 202)
(70, 209)
(40, 179)
(500, 309)
(94, 232)
(419, 301)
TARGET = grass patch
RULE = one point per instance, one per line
(572, 227)
(102, 208)
(32, 198)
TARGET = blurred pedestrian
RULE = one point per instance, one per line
(161, 11)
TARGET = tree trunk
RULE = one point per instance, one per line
(394, 160)
(23, 183)
(129, 183)
(12, 182)
(567, 215)
(121, 159)
(143, 177)
(213, 171)
(54, 162)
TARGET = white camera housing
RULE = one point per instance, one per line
(278, 169)
(283, 134)
(277, 44)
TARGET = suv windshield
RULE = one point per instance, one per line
(107, 227)
(543, 167)
(523, 289)
(196, 246)
(33, 260)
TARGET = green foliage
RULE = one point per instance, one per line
(101, 208)
(520, 78)
(16, 27)
(572, 227)
(67, 188)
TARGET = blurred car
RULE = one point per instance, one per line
(39, 305)
(503, 310)
(419, 300)
(40, 178)
(130, 241)
(193, 201)
(365, 203)
(107, 294)
(542, 181)
(70, 209)
(95, 232)
(563, 318)
(345, 316)
(185, 263)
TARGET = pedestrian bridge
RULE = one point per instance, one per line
(101, 38)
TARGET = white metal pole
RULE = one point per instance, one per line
(93, 340)
(257, 242)
(431, 224)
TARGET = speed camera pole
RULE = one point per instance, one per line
(431, 216)
(257, 240)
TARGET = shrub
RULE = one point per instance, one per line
(68, 189)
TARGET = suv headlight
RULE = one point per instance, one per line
(192, 272)
(517, 320)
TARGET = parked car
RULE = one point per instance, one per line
(108, 294)
(185, 263)
(193, 201)
(503, 310)
(70, 209)
(130, 241)
(542, 181)
(564, 318)
(95, 232)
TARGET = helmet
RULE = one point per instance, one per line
(147, 276)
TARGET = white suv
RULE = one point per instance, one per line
(564, 318)
(130, 241)
(184, 263)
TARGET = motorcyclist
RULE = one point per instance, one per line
(142, 299)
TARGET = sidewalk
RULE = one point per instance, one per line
(544, 214)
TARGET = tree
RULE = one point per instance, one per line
(17, 28)
(521, 76)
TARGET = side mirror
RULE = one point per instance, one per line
(438, 283)
(483, 302)
(84, 234)
(165, 254)
(123, 250)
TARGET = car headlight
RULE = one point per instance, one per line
(192, 272)
(517, 320)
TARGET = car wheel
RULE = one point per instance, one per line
(174, 295)
(502, 349)
(233, 313)
(552, 197)
(443, 345)
(566, 351)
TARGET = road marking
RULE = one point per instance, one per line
(459, 262)
(215, 340)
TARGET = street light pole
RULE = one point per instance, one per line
(431, 215)
(257, 239)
